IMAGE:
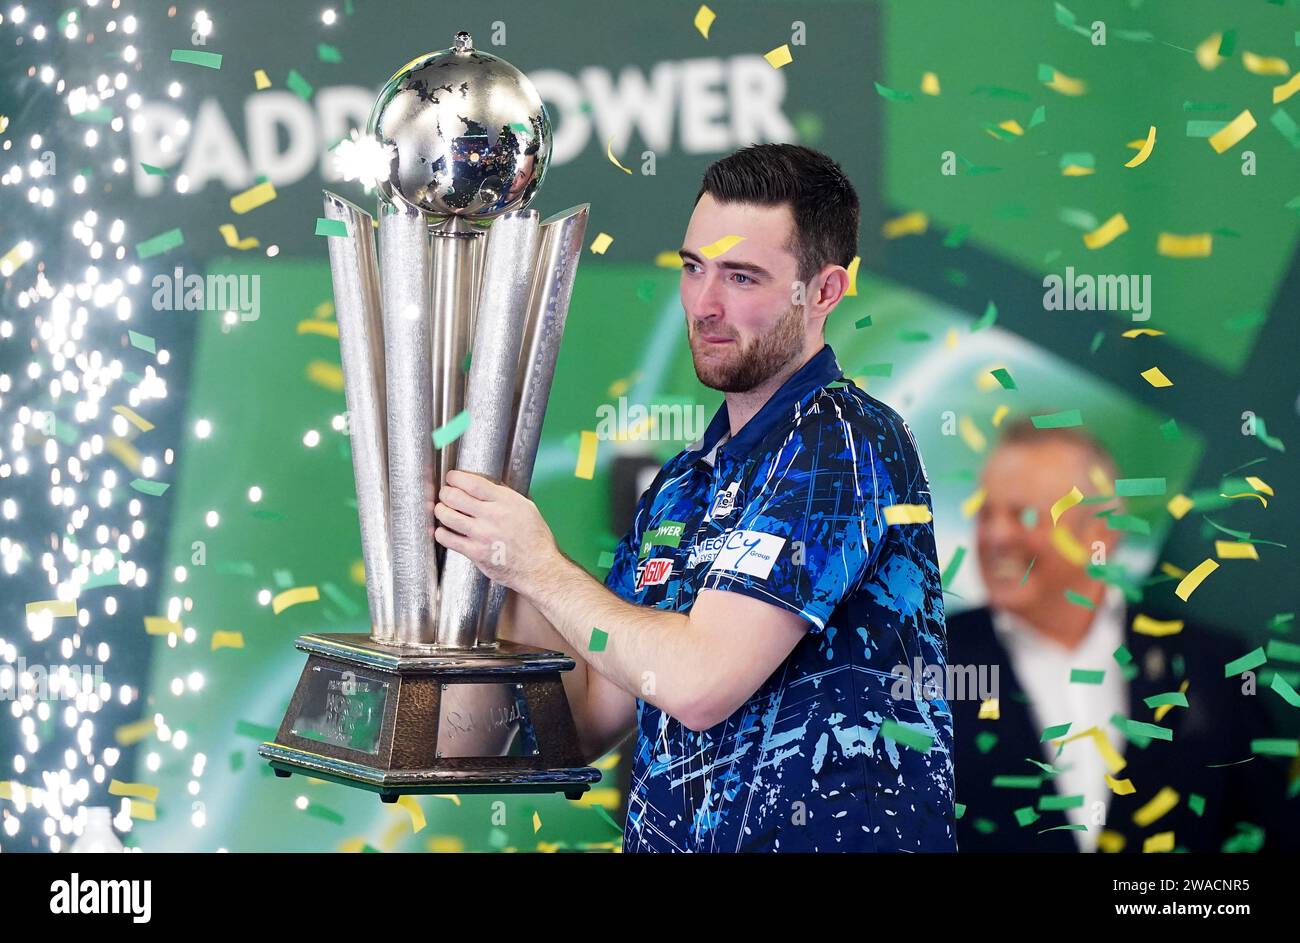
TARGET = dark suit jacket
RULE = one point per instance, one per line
(1216, 727)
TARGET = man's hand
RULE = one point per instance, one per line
(497, 528)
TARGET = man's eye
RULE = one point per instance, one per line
(746, 278)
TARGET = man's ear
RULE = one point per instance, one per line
(832, 282)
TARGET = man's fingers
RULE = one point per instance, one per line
(472, 484)
(453, 541)
(454, 497)
(459, 522)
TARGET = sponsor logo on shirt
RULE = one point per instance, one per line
(748, 551)
(725, 501)
(654, 571)
(667, 534)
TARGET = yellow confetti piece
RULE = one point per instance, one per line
(128, 734)
(1156, 377)
(1284, 91)
(1207, 52)
(1170, 570)
(1232, 132)
(4, 123)
(999, 414)
(58, 608)
(609, 152)
(971, 435)
(907, 514)
(326, 374)
(125, 452)
(260, 79)
(1166, 708)
(547, 848)
(950, 339)
(1147, 147)
(989, 709)
(13, 259)
(324, 310)
(1099, 480)
(668, 260)
(537, 823)
(1159, 805)
(970, 507)
(1246, 494)
(1164, 841)
(1012, 126)
(357, 572)
(1142, 331)
(778, 57)
(930, 83)
(133, 790)
(1179, 505)
(1196, 246)
(602, 242)
(909, 224)
(608, 761)
(291, 597)
(351, 846)
(1068, 547)
(1188, 584)
(133, 417)
(853, 276)
(1109, 755)
(1259, 484)
(1065, 502)
(704, 18)
(450, 797)
(221, 639)
(1264, 65)
(1233, 550)
(609, 798)
(1065, 84)
(414, 811)
(1156, 628)
(445, 845)
(255, 196)
(1107, 232)
(161, 625)
(1110, 842)
(1121, 787)
(317, 326)
(139, 809)
(231, 235)
(1075, 170)
(721, 247)
(586, 467)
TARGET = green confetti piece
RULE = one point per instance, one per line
(1275, 747)
(985, 740)
(453, 430)
(1227, 43)
(331, 227)
(265, 515)
(1054, 732)
(324, 812)
(985, 826)
(959, 809)
(1135, 729)
(996, 91)
(1123, 655)
(1244, 321)
(283, 578)
(1096, 341)
(145, 486)
(101, 115)
(1246, 662)
(862, 322)
(1286, 126)
(341, 599)
(1064, 828)
(327, 53)
(1086, 676)
(1079, 599)
(1196, 803)
(599, 639)
(606, 560)
(987, 319)
(154, 171)
(466, 361)
(1169, 430)
(1060, 803)
(1026, 816)
(913, 336)
(1261, 433)
(958, 235)
(236, 567)
(1004, 377)
(298, 85)
(1079, 219)
(1281, 622)
(1038, 117)
(1078, 159)
(1293, 204)
(1128, 523)
(601, 813)
(142, 342)
(1170, 699)
(1283, 651)
(1204, 106)
(160, 243)
(1029, 516)
(1204, 129)
(877, 370)
(245, 728)
(909, 737)
(1284, 690)
(1024, 579)
(1139, 487)
(1061, 420)
(953, 566)
(208, 60)
(1017, 782)
(1047, 768)
(893, 94)
(236, 760)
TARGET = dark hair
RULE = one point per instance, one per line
(1024, 432)
(822, 200)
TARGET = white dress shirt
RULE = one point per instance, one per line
(1043, 667)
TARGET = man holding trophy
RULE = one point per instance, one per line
(776, 571)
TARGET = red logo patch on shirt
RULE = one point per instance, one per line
(653, 572)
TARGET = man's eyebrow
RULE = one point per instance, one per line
(736, 266)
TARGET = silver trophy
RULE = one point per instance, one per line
(461, 310)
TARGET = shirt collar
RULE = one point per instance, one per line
(823, 368)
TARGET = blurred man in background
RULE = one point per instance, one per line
(1048, 619)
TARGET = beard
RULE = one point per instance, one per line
(740, 368)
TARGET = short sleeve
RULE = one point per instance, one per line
(812, 523)
(621, 578)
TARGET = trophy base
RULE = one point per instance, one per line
(399, 721)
